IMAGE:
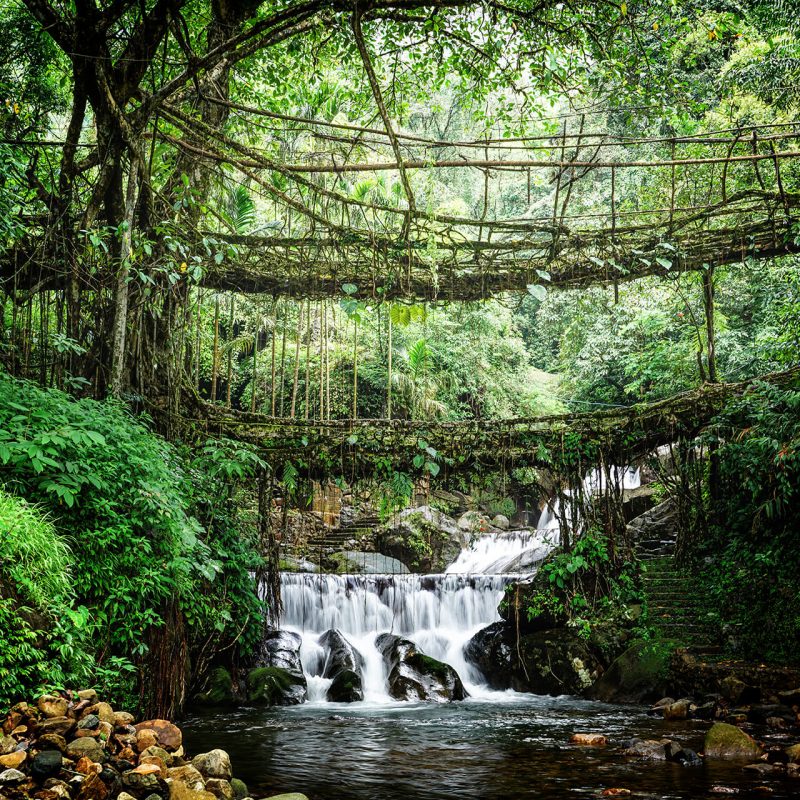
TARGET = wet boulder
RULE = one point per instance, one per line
(639, 674)
(219, 689)
(416, 677)
(273, 686)
(278, 679)
(282, 649)
(550, 662)
(728, 741)
(344, 665)
(424, 538)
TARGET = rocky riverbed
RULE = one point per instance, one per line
(72, 746)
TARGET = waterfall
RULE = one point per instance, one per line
(513, 551)
(439, 613)
(593, 483)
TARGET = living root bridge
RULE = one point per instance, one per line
(749, 226)
(355, 448)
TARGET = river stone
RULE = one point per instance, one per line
(51, 705)
(169, 735)
(273, 686)
(154, 761)
(214, 764)
(401, 535)
(281, 649)
(652, 749)
(474, 522)
(46, 764)
(278, 679)
(794, 753)
(13, 760)
(239, 789)
(187, 775)
(639, 674)
(56, 788)
(588, 739)
(90, 695)
(416, 677)
(154, 751)
(290, 796)
(11, 776)
(790, 697)
(346, 687)
(86, 747)
(220, 788)
(8, 744)
(89, 722)
(103, 711)
(728, 741)
(62, 726)
(141, 783)
(677, 710)
(180, 791)
(92, 788)
(501, 521)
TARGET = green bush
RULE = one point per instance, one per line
(43, 634)
(751, 547)
(150, 525)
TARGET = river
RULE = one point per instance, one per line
(513, 746)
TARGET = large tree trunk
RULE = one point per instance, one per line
(121, 291)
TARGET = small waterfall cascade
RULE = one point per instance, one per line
(439, 613)
(511, 551)
(593, 483)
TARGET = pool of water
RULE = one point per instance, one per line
(513, 746)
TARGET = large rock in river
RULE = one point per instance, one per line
(728, 741)
(638, 675)
(415, 676)
(551, 662)
(278, 679)
(344, 664)
(424, 538)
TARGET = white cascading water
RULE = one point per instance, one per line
(593, 483)
(439, 613)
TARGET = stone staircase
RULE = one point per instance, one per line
(337, 538)
(675, 606)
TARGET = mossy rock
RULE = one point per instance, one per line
(430, 666)
(639, 674)
(220, 689)
(346, 687)
(290, 796)
(728, 741)
(239, 789)
(273, 686)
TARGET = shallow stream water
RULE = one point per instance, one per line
(512, 746)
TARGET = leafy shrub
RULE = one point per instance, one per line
(43, 637)
(130, 503)
(752, 545)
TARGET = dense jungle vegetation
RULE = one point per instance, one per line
(136, 190)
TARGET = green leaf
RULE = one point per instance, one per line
(537, 290)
